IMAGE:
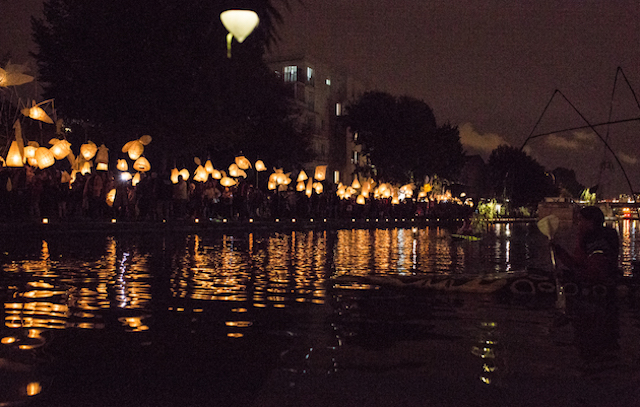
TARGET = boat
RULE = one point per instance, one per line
(464, 236)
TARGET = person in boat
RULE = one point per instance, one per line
(593, 267)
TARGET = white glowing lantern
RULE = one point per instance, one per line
(243, 163)
(37, 113)
(142, 165)
(60, 148)
(320, 173)
(175, 174)
(44, 157)
(125, 176)
(122, 165)
(227, 182)
(88, 150)
(302, 176)
(201, 174)
(111, 197)
(260, 166)
(136, 179)
(233, 170)
(14, 158)
(208, 166)
(239, 23)
(102, 156)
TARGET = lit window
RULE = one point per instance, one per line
(336, 177)
(338, 109)
(290, 73)
(310, 78)
(327, 81)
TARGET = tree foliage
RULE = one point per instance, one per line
(401, 138)
(516, 176)
(120, 69)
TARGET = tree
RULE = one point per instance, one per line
(120, 69)
(401, 138)
(566, 181)
(517, 177)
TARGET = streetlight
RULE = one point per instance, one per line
(239, 23)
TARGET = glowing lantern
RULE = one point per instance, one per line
(60, 148)
(243, 163)
(355, 184)
(395, 200)
(174, 175)
(360, 200)
(30, 151)
(227, 182)
(88, 150)
(321, 172)
(102, 166)
(233, 170)
(142, 165)
(36, 112)
(44, 157)
(184, 173)
(122, 165)
(302, 176)
(86, 168)
(12, 75)
(271, 185)
(102, 156)
(208, 167)
(300, 186)
(136, 179)
(239, 23)
(125, 176)
(14, 158)
(260, 166)
(215, 174)
(200, 175)
(111, 197)
(317, 186)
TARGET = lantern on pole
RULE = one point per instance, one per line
(208, 166)
(102, 156)
(321, 173)
(122, 165)
(44, 157)
(88, 150)
(260, 166)
(239, 23)
(243, 163)
(14, 158)
(12, 75)
(142, 165)
(302, 176)
(36, 112)
(60, 148)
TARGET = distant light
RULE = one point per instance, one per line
(277, 220)
(293, 220)
(251, 220)
(196, 220)
(45, 220)
(113, 221)
(327, 81)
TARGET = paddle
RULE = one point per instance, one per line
(548, 226)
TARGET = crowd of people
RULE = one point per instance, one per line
(29, 193)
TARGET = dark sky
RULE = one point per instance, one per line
(488, 66)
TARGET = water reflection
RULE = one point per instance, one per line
(170, 291)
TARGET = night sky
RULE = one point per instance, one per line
(489, 67)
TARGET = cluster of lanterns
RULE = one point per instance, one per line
(369, 188)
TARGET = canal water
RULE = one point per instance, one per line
(280, 319)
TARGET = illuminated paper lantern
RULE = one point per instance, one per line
(227, 182)
(86, 168)
(88, 150)
(125, 176)
(102, 156)
(318, 187)
(136, 179)
(14, 158)
(201, 174)
(300, 186)
(260, 166)
(135, 150)
(242, 173)
(320, 173)
(102, 167)
(184, 173)
(302, 176)
(122, 165)
(215, 174)
(175, 174)
(13, 75)
(271, 185)
(208, 166)
(111, 197)
(60, 148)
(44, 157)
(142, 165)
(233, 170)
(37, 113)
(239, 23)
(355, 184)
(243, 163)
(30, 151)
(360, 200)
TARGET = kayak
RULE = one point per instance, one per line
(458, 236)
